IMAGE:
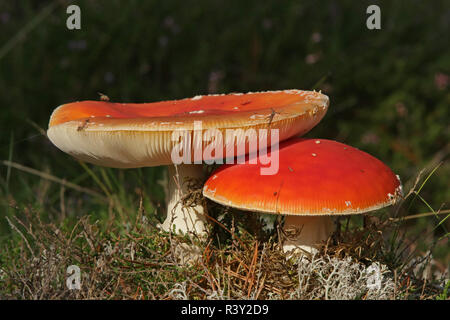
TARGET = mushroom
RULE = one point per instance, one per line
(317, 180)
(181, 134)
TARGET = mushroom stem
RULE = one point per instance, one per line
(309, 232)
(185, 219)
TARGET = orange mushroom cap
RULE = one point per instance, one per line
(315, 177)
(128, 135)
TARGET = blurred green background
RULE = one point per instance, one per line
(389, 88)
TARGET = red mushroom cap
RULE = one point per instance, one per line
(130, 135)
(315, 177)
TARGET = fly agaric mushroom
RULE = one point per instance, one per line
(131, 135)
(317, 180)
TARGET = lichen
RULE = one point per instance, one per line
(331, 278)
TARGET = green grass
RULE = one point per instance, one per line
(444, 294)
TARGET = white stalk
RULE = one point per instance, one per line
(184, 219)
(311, 232)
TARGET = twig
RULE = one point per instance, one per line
(21, 234)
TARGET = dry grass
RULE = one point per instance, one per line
(133, 259)
(138, 263)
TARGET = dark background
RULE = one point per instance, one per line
(389, 88)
